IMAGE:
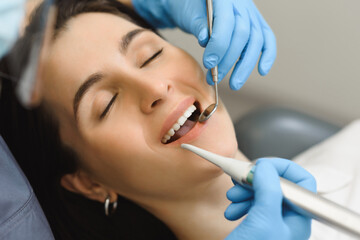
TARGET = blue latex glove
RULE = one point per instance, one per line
(11, 14)
(267, 218)
(240, 33)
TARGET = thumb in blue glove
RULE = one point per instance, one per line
(267, 217)
(11, 14)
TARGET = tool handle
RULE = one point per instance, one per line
(210, 15)
(312, 205)
(210, 19)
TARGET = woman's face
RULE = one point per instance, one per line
(117, 90)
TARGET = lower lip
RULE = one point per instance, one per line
(192, 135)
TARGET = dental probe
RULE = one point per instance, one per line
(301, 200)
(206, 114)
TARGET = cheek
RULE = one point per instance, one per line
(112, 147)
(191, 72)
(119, 157)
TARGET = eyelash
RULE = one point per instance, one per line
(152, 58)
(103, 114)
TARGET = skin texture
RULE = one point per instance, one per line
(122, 153)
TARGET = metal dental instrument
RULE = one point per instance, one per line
(28, 68)
(206, 114)
(301, 200)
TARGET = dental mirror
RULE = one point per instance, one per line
(206, 114)
(209, 111)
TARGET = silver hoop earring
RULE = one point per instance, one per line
(109, 210)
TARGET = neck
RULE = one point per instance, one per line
(201, 216)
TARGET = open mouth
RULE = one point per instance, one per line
(183, 125)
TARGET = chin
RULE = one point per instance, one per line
(210, 170)
(223, 148)
(203, 170)
(224, 144)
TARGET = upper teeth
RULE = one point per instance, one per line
(178, 124)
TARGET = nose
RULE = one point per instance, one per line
(153, 92)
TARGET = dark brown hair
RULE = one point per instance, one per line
(33, 137)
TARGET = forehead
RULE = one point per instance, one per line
(91, 28)
(87, 39)
(80, 49)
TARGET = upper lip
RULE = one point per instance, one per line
(175, 115)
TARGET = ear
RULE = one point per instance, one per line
(80, 183)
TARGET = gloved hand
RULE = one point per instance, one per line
(240, 33)
(267, 218)
(11, 14)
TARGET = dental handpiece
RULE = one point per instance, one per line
(301, 200)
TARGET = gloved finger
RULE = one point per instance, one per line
(199, 25)
(237, 210)
(292, 172)
(234, 182)
(155, 15)
(224, 22)
(298, 224)
(250, 55)
(267, 191)
(203, 36)
(269, 49)
(238, 41)
(239, 193)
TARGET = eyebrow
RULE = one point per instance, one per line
(126, 40)
(90, 81)
(96, 77)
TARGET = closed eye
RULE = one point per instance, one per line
(152, 58)
(108, 106)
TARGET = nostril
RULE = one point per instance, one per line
(155, 103)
